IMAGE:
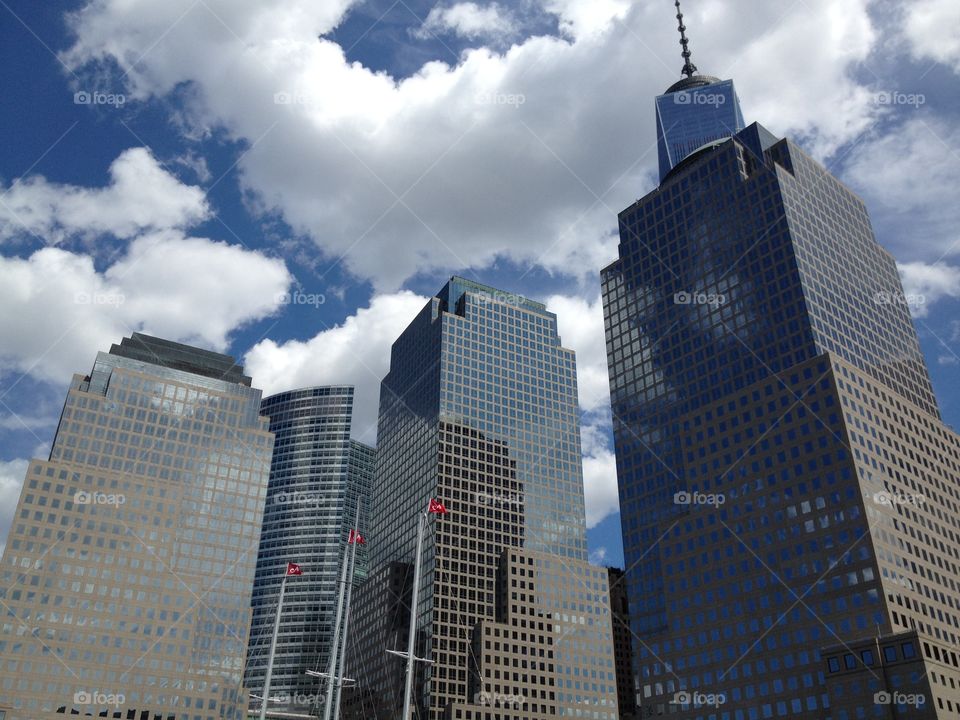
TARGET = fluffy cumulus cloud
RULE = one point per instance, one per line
(599, 473)
(469, 20)
(355, 352)
(580, 323)
(909, 178)
(525, 154)
(60, 306)
(11, 480)
(59, 310)
(142, 196)
(930, 26)
(924, 284)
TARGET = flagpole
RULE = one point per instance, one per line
(346, 618)
(273, 648)
(408, 690)
(332, 672)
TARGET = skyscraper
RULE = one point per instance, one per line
(127, 573)
(319, 477)
(787, 488)
(480, 410)
(694, 111)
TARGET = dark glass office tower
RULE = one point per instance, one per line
(480, 410)
(318, 479)
(128, 569)
(788, 491)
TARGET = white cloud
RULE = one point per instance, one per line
(450, 159)
(909, 178)
(59, 310)
(931, 28)
(598, 556)
(355, 352)
(469, 20)
(926, 284)
(142, 196)
(12, 474)
(580, 324)
(599, 473)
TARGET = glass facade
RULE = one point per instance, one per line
(746, 298)
(129, 566)
(318, 479)
(480, 409)
(694, 112)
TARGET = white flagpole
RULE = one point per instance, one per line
(332, 671)
(273, 648)
(346, 620)
(408, 690)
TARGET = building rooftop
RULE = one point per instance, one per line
(177, 356)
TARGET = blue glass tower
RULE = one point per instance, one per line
(319, 477)
(480, 409)
(694, 111)
(781, 459)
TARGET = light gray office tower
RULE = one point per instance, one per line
(318, 479)
(790, 497)
(126, 579)
(480, 410)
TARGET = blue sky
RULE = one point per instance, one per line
(289, 181)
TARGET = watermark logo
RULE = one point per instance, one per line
(885, 297)
(514, 100)
(293, 98)
(298, 698)
(492, 699)
(96, 97)
(699, 298)
(499, 500)
(297, 498)
(698, 699)
(895, 97)
(504, 298)
(113, 299)
(301, 298)
(890, 498)
(695, 98)
(698, 498)
(82, 697)
(899, 698)
(98, 498)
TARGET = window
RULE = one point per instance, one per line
(890, 653)
(908, 650)
(849, 661)
(834, 664)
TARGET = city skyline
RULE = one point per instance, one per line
(112, 209)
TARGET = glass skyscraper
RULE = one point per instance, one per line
(480, 410)
(319, 477)
(788, 491)
(127, 573)
(694, 112)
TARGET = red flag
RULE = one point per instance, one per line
(357, 538)
(436, 507)
(293, 569)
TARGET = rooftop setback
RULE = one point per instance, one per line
(177, 356)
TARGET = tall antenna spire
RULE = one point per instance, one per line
(689, 69)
